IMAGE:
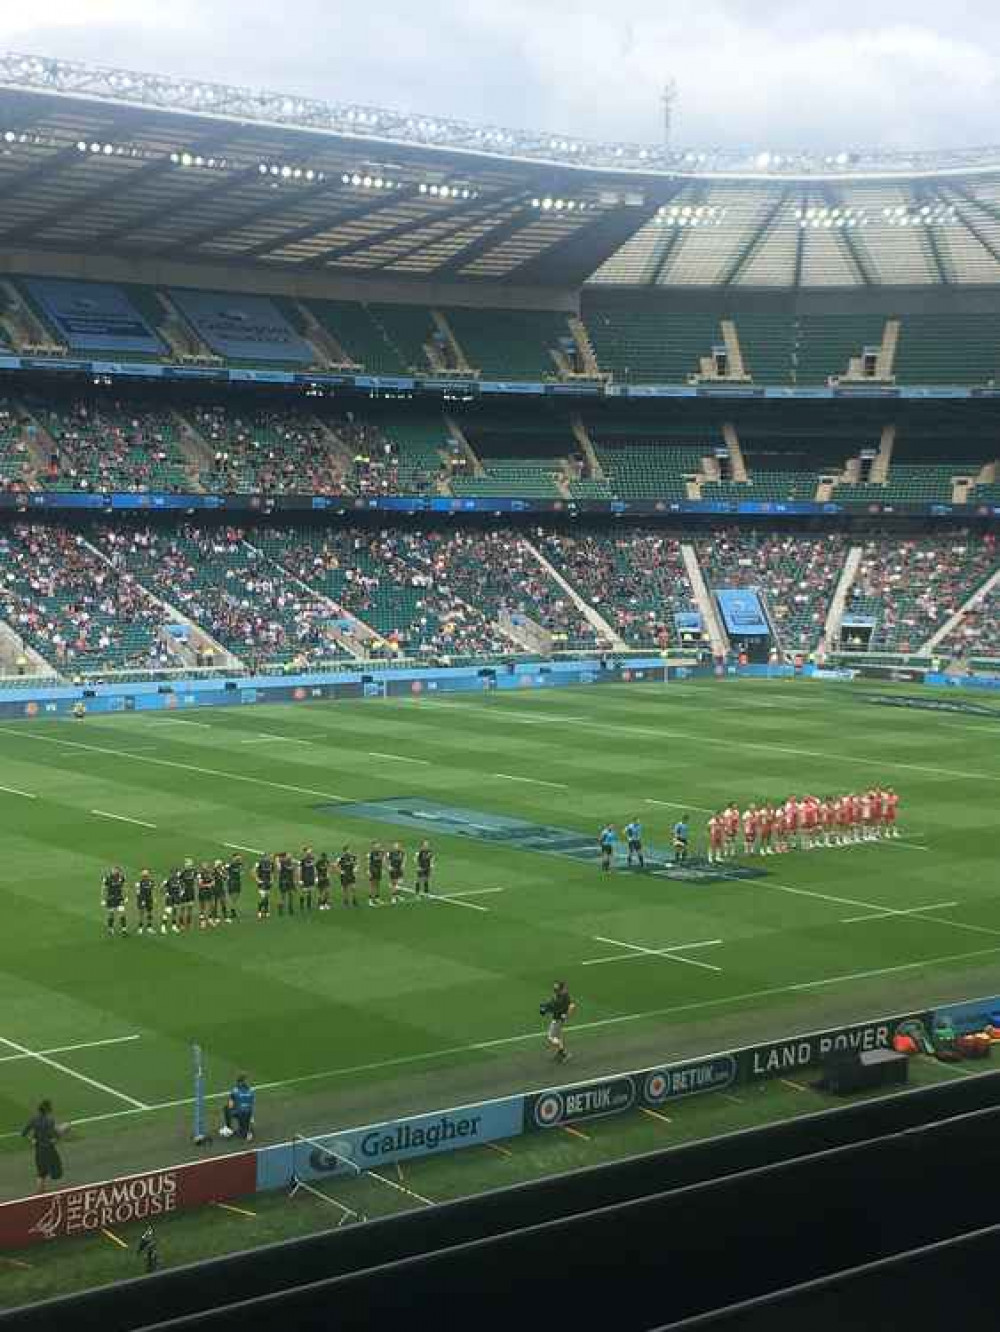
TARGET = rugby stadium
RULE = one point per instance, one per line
(640, 505)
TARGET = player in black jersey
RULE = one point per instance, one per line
(144, 890)
(397, 865)
(347, 864)
(323, 880)
(173, 895)
(263, 873)
(307, 878)
(286, 884)
(113, 899)
(220, 911)
(425, 863)
(234, 884)
(189, 880)
(376, 860)
(206, 893)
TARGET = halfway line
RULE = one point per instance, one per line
(398, 758)
(535, 781)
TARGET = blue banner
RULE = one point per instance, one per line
(91, 316)
(242, 328)
(742, 613)
(378, 1145)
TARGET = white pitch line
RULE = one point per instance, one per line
(71, 1072)
(24, 734)
(265, 738)
(476, 892)
(122, 818)
(399, 758)
(12, 790)
(235, 846)
(444, 897)
(666, 733)
(535, 781)
(671, 954)
(871, 906)
(670, 804)
(65, 1049)
(907, 911)
(523, 1037)
(178, 721)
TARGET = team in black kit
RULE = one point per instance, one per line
(208, 894)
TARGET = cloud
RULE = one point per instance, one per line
(765, 73)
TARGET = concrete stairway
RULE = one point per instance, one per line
(592, 616)
(955, 620)
(717, 636)
(838, 602)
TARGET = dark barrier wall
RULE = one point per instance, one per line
(645, 1263)
(278, 1267)
(935, 1286)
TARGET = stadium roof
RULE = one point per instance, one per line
(108, 162)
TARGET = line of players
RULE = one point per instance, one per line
(209, 894)
(803, 823)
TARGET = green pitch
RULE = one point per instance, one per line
(353, 1015)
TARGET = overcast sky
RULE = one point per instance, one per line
(778, 74)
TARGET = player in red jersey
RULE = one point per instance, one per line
(792, 822)
(868, 816)
(716, 838)
(891, 812)
(732, 826)
(843, 820)
(857, 817)
(809, 819)
(751, 825)
(828, 811)
(766, 829)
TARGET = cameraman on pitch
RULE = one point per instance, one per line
(559, 1009)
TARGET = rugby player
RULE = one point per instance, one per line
(189, 880)
(560, 1008)
(376, 860)
(173, 896)
(323, 880)
(307, 878)
(220, 910)
(113, 899)
(425, 863)
(206, 892)
(397, 867)
(234, 884)
(144, 892)
(263, 873)
(347, 864)
(681, 839)
(286, 883)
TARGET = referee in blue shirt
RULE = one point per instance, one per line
(238, 1111)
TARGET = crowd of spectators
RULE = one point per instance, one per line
(112, 445)
(272, 450)
(495, 571)
(796, 574)
(232, 590)
(636, 580)
(16, 471)
(392, 582)
(914, 585)
(79, 613)
(978, 633)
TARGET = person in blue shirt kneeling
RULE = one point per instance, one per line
(237, 1113)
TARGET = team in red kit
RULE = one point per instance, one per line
(802, 823)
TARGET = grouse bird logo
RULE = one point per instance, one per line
(49, 1223)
